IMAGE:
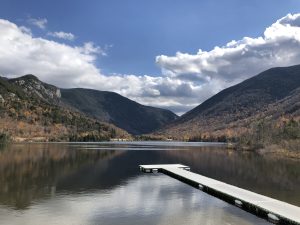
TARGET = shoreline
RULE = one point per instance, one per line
(274, 150)
(271, 150)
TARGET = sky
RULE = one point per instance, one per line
(172, 54)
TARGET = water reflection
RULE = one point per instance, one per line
(134, 202)
(272, 176)
(32, 171)
(97, 184)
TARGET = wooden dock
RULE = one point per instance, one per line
(270, 209)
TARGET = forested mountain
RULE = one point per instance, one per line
(31, 110)
(118, 110)
(273, 95)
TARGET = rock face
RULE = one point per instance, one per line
(1, 100)
(36, 88)
(274, 93)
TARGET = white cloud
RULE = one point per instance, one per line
(237, 60)
(40, 23)
(187, 80)
(90, 48)
(62, 35)
(26, 30)
(74, 66)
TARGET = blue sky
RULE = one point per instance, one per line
(139, 30)
(133, 33)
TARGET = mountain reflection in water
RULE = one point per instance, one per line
(101, 184)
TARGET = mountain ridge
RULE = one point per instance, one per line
(99, 106)
(239, 104)
(25, 115)
(114, 108)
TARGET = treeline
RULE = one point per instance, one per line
(281, 134)
(93, 136)
(210, 138)
(150, 138)
(284, 133)
(4, 138)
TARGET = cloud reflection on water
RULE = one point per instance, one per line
(146, 199)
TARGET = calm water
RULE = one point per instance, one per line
(99, 183)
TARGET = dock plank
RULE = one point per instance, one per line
(260, 205)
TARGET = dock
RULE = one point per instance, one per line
(273, 210)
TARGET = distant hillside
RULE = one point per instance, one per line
(118, 110)
(230, 113)
(30, 110)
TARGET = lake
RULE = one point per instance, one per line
(100, 183)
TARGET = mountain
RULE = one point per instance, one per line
(272, 93)
(37, 89)
(30, 107)
(31, 110)
(118, 110)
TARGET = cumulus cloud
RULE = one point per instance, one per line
(186, 80)
(40, 23)
(237, 60)
(74, 66)
(90, 48)
(62, 35)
